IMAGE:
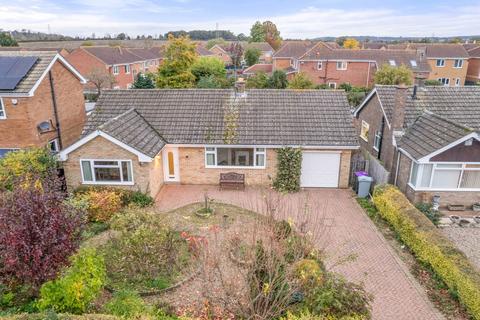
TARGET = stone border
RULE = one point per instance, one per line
(458, 221)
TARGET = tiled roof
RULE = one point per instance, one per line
(132, 129)
(445, 51)
(265, 117)
(374, 45)
(144, 53)
(400, 57)
(31, 78)
(259, 67)
(202, 51)
(262, 46)
(113, 55)
(474, 52)
(293, 49)
(430, 133)
(470, 46)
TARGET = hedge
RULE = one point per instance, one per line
(430, 246)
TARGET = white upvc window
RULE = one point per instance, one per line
(392, 63)
(444, 81)
(458, 63)
(127, 68)
(319, 65)
(377, 141)
(106, 171)
(413, 63)
(457, 82)
(235, 157)
(3, 114)
(364, 130)
(440, 62)
(54, 146)
(342, 65)
(115, 70)
(450, 176)
(332, 85)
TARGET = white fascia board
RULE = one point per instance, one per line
(427, 158)
(261, 146)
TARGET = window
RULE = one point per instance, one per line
(341, 65)
(332, 85)
(127, 68)
(444, 81)
(145, 65)
(392, 63)
(413, 63)
(116, 70)
(3, 115)
(235, 157)
(53, 145)
(378, 140)
(107, 171)
(364, 130)
(319, 65)
(440, 63)
(458, 63)
(457, 82)
(445, 176)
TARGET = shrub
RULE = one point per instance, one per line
(77, 287)
(102, 204)
(289, 167)
(252, 56)
(301, 81)
(309, 273)
(126, 304)
(426, 209)
(137, 198)
(432, 82)
(38, 232)
(430, 247)
(390, 75)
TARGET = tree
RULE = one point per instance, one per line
(252, 56)
(209, 82)
(272, 35)
(456, 40)
(217, 41)
(178, 59)
(144, 81)
(340, 41)
(101, 78)
(236, 53)
(390, 75)
(257, 32)
(38, 232)
(258, 81)
(351, 43)
(121, 36)
(301, 81)
(6, 40)
(278, 80)
(208, 66)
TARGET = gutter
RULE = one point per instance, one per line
(55, 110)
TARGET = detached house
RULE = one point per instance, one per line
(143, 139)
(266, 51)
(41, 101)
(286, 58)
(427, 138)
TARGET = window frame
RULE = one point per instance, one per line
(320, 65)
(460, 65)
(55, 143)
(446, 82)
(413, 63)
(367, 125)
(128, 69)
(119, 166)
(115, 70)
(256, 151)
(392, 63)
(377, 140)
(343, 65)
(457, 82)
(332, 85)
(440, 63)
(2, 110)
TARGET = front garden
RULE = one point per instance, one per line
(103, 253)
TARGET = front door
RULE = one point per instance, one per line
(170, 164)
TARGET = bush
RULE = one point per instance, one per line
(432, 83)
(126, 304)
(38, 232)
(101, 205)
(426, 209)
(137, 198)
(289, 167)
(78, 286)
(301, 81)
(309, 273)
(430, 247)
(128, 197)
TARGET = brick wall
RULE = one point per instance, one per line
(20, 128)
(222, 55)
(448, 71)
(84, 63)
(473, 71)
(281, 63)
(358, 74)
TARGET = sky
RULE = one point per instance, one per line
(295, 19)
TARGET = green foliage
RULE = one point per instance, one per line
(309, 273)
(209, 82)
(208, 66)
(258, 81)
(88, 43)
(100, 205)
(211, 43)
(252, 56)
(34, 163)
(78, 285)
(137, 198)
(126, 304)
(432, 83)
(257, 32)
(175, 72)
(301, 81)
(391, 75)
(144, 81)
(427, 210)
(278, 80)
(430, 247)
(355, 95)
(128, 197)
(6, 40)
(289, 167)
(266, 31)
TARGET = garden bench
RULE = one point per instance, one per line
(232, 180)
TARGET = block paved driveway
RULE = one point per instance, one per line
(397, 295)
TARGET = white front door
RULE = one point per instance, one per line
(320, 169)
(170, 164)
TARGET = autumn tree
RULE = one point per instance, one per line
(252, 56)
(101, 78)
(351, 43)
(390, 75)
(300, 81)
(179, 57)
(266, 31)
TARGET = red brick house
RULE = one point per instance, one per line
(123, 63)
(427, 138)
(286, 58)
(473, 71)
(44, 105)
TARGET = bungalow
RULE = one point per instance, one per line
(427, 138)
(143, 139)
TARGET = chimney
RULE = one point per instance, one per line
(399, 109)
(240, 87)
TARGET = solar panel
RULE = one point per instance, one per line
(13, 69)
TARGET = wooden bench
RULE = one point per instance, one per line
(232, 180)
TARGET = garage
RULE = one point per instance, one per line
(320, 169)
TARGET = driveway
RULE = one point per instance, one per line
(349, 232)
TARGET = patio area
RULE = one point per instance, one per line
(348, 232)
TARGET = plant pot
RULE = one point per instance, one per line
(476, 207)
(204, 214)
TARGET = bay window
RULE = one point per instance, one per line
(445, 176)
(107, 171)
(235, 157)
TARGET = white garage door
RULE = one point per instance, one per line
(320, 169)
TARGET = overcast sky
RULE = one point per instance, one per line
(294, 19)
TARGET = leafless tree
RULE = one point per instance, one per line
(101, 78)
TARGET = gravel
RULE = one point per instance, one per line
(467, 240)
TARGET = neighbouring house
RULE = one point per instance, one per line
(64, 52)
(428, 138)
(266, 68)
(41, 101)
(265, 48)
(221, 52)
(122, 63)
(473, 70)
(203, 52)
(143, 139)
(286, 58)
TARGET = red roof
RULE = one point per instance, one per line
(259, 67)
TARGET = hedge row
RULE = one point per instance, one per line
(430, 246)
